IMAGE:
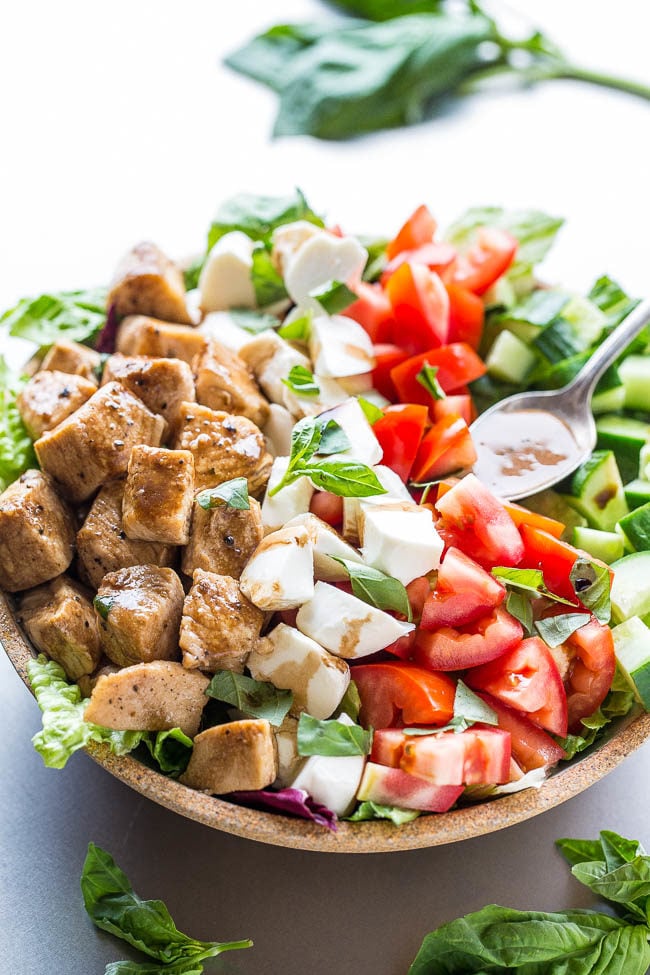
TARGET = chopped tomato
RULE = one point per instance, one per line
(437, 257)
(526, 678)
(386, 358)
(420, 307)
(451, 648)
(399, 433)
(328, 507)
(401, 693)
(387, 746)
(457, 365)
(478, 756)
(522, 516)
(477, 523)
(486, 260)
(464, 593)
(418, 591)
(456, 405)
(554, 557)
(419, 229)
(591, 669)
(447, 447)
(531, 747)
(466, 315)
(392, 787)
(372, 310)
(402, 648)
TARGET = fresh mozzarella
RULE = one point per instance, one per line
(339, 346)
(277, 430)
(364, 446)
(193, 305)
(330, 394)
(328, 546)
(332, 781)
(290, 501)
(320, 259)
(395, 490)
(289, 761)
(359, 385)
(272, 359)
(288, 239)
(225, 281)
(347, 626)
(292, 661)
(399, 540)
(280, 572)
(221, 326)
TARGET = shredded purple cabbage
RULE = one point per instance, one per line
(293, 802)
(105, 341)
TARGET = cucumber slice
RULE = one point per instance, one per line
(635, 373)
(644, 462)
(606, 546)
(632, 646)
(637, 492)
(636, 528)
(608, 400)
(510, 359)
(625, 436)
(597, 491)
(631, 586)
(553, 505)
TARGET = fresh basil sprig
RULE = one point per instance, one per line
(301, 381)
(334, 297)
(332, 738)
(232, 494)
(267, 281)
(469, 709)
(371, 412)
(297, 330)
(260, 699)
(554, 630)
(376, 588)
(427, 378)
(259, 216)
(527, 580)
(591, 584)
(518, 604)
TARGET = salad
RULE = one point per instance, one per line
(241, 531)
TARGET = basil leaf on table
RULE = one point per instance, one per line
(185, 967)
(591, 584)
(77, 316)
(257, 698)
(376, 588)
(232, 494)
(16, 449)
(332, 738)
(334, 297)
(259, 216)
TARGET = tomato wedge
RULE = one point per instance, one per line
(522, 516)
(466, 315)
(387, 356)
(477, 523)
(437, 257)
(478, 756)
(328, 507)
(447, 447)
(554, 557)
(456, 405)
(457, 365)
(451, 648)
(591, 670)
(464, 593)
(419, 229)
(399, 433)
(418, 591)
(420, 307)
(401, 693)
(372, 310)
(486, 260)
(392, 787)
(531, 747)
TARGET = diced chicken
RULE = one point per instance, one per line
(364, 446)
(226, 278)
(94, 444)
(49, 397)
(142, 335)
(36, 533)
(287, 239)
(232, 757)
(347, 626)
(339, 346)
(271, 359)
(394, 490)
(327, 546)
(158, 495)
(73, 358)
(60, 621)
(290, 501)
(153, 696)
(224, 382)
(224, 446)
(139, 611)
(320, 259)
(289, 761)
(102, 544)
(292, 661)
(146, 282)
(87, 682)
(222, 539)
(332, 781)
(400, 540)
(280, 573)
(221, 325)
(161, 384)
(277, 430)
(220, 626)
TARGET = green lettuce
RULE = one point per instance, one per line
(77, 316)
(16, 450)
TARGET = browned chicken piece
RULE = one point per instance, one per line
(153, 696)
(231, 757)
(158, 495)
(140, 611)
(73, 358)
(219, 626)
(49, 397)
(222, 539)
(102, 545)
(94, 444)
(224, 446)
(140, 335)
(161, 384)
(224, 382)
(36, 533)
(60, 621)
(87, 682)
(146, 282)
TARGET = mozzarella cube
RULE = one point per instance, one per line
(292, 500)
(364, 446)
(339, 346)
(221, 326)
(321, 259)
(359, 385)
(289, 761)
(328, 545)
(347, 626)
(277, 430)
(272, 359)
(292, 661)
(331, 394)
(288, 239)
(332, 781)
(280, 572)
(225, 281)
(400, 541)
(395, 490)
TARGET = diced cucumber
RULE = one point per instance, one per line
(636, 528)
(606, 546)
(608, 400)
(500, 295)
(586, 318)
(631, 586)
(637, 492)
(527, 318)
(635, 373)
(510, 359)
(632, 646)
(553, 505)
(644, 462)
(625, 436)
(596, 491)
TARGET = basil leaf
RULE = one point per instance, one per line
(16, 450)
(350, 703)
(191, 275)
(347, 479)
(427, 378)
(377, 259)
(371, 412)
(301, 381)
(334, 297)
(333, 739)
(253, 321)
(267, 280)
(580, 851)
(103, 605)
(297, 330)
(375, 810)
(258, 216)
(387, 9)
(191, 967)
(333, 438)
(305, 440)
(527, 580)
(233, 494)
(591, 584)
(554, 630)
(76, 316)
(257, 698)
(171, 750)
(469, 709)
(376, 588)
(618, 850)
(518, 605)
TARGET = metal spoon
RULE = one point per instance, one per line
(531, 441)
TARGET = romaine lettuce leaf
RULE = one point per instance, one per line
(16, 450)
(73, 315)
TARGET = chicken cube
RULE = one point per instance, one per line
(146, 282)
(49, 397)
(140, 612)
(153, 696)
(158, 495)
(87, 682)
(219, 626)
(224, 446)
(222, 539)
(36, 533)
(74, 359)
(161, 384)
(289, 761)
(231, 757)
(102, 544)
(60, 621)
(141, 335)
(224, 382)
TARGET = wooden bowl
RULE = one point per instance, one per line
(368, 837)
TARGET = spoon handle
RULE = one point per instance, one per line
(609, 350)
